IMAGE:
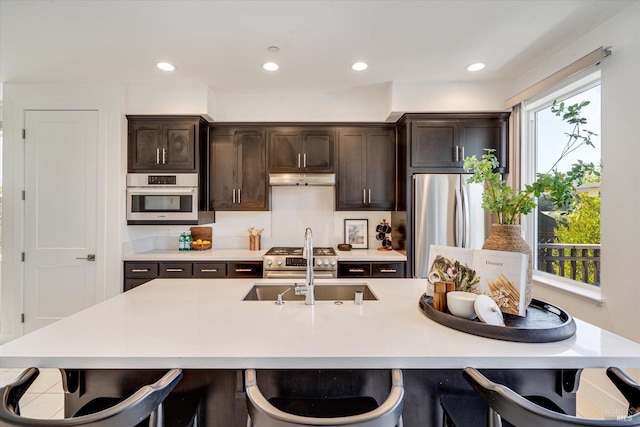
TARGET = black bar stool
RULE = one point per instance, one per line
(506, 404)
(130, 412)
(344, 412)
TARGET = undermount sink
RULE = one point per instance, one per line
(323, 292)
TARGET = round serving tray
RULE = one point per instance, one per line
(544, 322)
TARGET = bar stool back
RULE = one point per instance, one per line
(146, 402)
(263, 414)
(521, 412)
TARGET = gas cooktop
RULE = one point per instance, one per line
(297, 251)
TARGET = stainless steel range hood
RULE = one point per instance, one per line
(307, 179)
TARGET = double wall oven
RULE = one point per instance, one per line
(288, 263)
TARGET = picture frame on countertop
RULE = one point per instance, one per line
(356, 233)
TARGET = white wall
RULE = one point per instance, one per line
(620, 154)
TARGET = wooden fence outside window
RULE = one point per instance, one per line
(577, 262)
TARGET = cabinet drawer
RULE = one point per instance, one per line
(392, 269)
(354, 270)
(245, 269)
(176, 269)
(209, 269)
(139, 270)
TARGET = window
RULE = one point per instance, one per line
(566, 238)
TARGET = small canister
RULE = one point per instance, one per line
(254, 242)
(440, 296)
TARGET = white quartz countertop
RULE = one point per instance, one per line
(247, 255)
(200, 323)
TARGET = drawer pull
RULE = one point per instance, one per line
(140, 270)
(243, 270)
(209, 270)
(175, 270)
(356, 270)
(388, 270)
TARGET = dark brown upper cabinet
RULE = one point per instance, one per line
(443, 143)
(366, 168)
(293, 149)
(165, 143)
(238, 178)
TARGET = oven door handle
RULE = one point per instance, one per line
(138, 191)
(297, 275)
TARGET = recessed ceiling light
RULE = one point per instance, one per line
(270, 66)
(165, 66)
(359, 66)
(476, 66)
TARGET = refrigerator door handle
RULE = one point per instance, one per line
(459, 228)
(466, 215)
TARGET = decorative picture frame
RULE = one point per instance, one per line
(356, 233)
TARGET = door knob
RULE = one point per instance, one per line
(89, 257)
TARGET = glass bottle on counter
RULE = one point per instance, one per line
(181, 241)
(187, 241)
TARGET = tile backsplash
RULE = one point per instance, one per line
(292, 210)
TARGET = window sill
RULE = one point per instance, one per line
(587, 292)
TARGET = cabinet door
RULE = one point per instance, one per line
(285, 150)
(209, 269)
(433, 143)
(380, 169)
(178, 150)
(251, 170)
(476, 135)
(145, 142)
(388, 269)
(176, 269)
(318, 152)
(350, 269)
(245, 269)
(351, 181)
(223, 161)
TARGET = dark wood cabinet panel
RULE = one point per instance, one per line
(301, 150)
(138, 273)
(366, 169)
(244, 269)
(238, 179)
(444, 144)
(159, 143)
(377, 269)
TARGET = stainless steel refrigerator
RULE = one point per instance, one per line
(446, 211)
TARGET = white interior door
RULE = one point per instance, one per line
(60, 214)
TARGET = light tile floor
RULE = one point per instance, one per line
(44, 399)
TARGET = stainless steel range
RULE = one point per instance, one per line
(288, 263)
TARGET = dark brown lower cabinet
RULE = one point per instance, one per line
(137, 273)
(371, 269)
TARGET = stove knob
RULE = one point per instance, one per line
(279, 262)
(333, 262)
(319, 262)
(269, 261)
(326, 261)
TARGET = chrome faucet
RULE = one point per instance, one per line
(307, 253)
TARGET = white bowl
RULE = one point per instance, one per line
(461, 304)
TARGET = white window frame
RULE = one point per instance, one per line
(571, 87)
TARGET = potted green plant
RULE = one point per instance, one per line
(508, 204)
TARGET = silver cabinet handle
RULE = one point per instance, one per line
(140, 270)
(356, 270)
(209, 270)
(304, 162)
(239, 195)
(364, 196)
(369, 196)
(456, 157)
(388, 270)
(298, 160)
(89, 257)
(157, 156)
(164, 156)
(234, 196)
(175, 270)
(462, 149)
(243, 270)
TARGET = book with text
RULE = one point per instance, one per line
(501, 275)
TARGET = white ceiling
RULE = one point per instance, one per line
(223, 43)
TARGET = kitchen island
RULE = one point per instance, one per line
(204, 326)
